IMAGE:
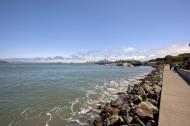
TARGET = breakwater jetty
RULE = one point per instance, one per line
(138, 106)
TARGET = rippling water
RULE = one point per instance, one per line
(59, 94)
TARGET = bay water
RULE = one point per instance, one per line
(60, 94)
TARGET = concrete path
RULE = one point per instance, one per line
(175, 100)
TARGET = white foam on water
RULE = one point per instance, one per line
(73, 104)
(100, 94)
(76, 121)
(50, 114)
(23, 114)
(24, 111)
(90, 92)
(50, 117)
(85, 110)
(11, 123)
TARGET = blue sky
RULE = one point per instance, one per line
(33, 28)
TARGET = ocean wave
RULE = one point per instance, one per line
(24, 114)
(50, 113)
(73, 104)
(98, 95)
(29, 114)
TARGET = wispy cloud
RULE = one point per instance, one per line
(129, 53)
(173, 50)
(140, 54)
(129, 49)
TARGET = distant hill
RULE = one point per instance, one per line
(3, 62)
(103, 62)
(132, 62)
(119, 62)
(182, 59)
(169, 58)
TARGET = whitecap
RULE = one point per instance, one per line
(22, 114)
(25, 110)
(85, 110)
(50, 117)
(73, 104)
(50, 114)
(76, 120)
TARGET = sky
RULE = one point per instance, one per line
(136, 29)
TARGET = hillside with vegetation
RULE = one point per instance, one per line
(181, 59)
(119, 63)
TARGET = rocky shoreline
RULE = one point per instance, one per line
(138, 106)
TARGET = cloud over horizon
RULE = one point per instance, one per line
(128, 53)
(129, 49)
(132, 53)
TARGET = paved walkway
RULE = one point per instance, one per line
(175, 100)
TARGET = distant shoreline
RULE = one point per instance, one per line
(3, 62)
